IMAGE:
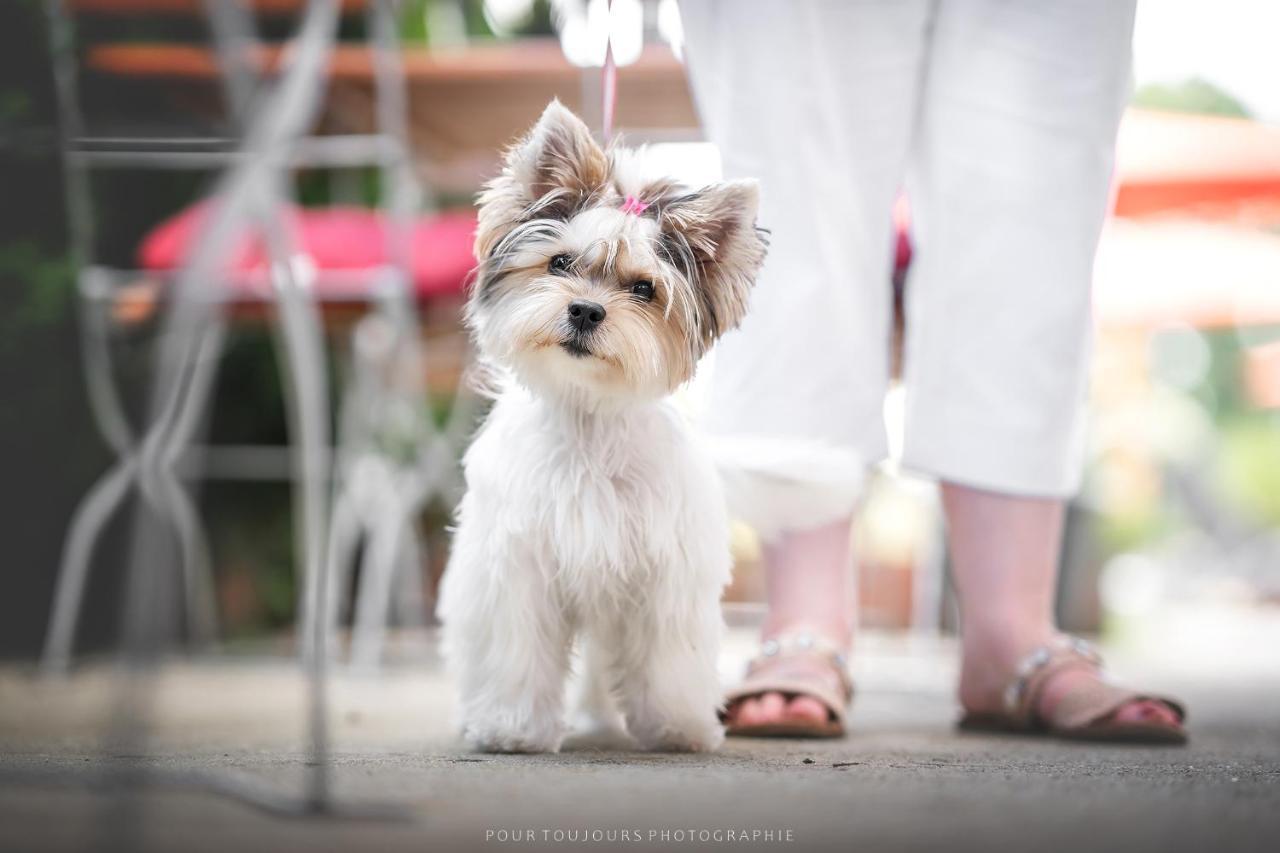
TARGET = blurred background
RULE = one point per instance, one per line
(1178, 524)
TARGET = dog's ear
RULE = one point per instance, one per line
(711, 236)
(549, 174)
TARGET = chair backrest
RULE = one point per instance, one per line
(112, 123)
(111, 119)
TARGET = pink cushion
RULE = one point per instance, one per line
(336, 239)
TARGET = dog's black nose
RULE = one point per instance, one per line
(585, 316)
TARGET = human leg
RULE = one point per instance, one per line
(817, 101)
(1020, 111)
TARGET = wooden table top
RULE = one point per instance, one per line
(539, 58)
(193, 7)
(465, 104)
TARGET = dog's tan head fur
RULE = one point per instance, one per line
(668, 273)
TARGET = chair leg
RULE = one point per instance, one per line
(409, 602)
(344, 536)
(302, 371)
(90, 518)
(170, 498)
(197, 569)
(373, 602)
(299, 330)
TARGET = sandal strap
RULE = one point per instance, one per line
(1080, 708)
(804, 644)
(1022, 694)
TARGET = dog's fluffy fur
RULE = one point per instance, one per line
(592, 513)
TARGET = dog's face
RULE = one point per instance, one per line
(594, 282)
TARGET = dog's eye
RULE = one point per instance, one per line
(560, 263)
(643, 290)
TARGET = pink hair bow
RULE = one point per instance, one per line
(634, 205)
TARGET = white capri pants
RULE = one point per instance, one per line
(999, 116)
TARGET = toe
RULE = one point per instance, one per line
(773, 707)
(748, 712)
(1147, 712)
(806, 709)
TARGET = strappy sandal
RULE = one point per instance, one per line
(768, 673)
(1085, 713)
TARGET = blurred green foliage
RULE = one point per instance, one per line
(471, 19)
(1194, 95)
(1235, 462)
(44, 277)
(1211, 460)
(1249, 469)
(1247, 459)
(1121, 529)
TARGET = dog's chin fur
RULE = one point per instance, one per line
(592, 513)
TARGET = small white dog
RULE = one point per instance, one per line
(592, 514)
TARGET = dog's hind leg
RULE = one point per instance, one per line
(596, 715)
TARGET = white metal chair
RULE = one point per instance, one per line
(161, 462)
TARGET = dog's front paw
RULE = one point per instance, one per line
(701, 736)
(501, 736)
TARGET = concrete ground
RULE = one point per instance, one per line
(903, 780)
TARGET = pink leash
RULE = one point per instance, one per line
(609, 90)
(609, 82)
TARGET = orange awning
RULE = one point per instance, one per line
(1205, 166)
